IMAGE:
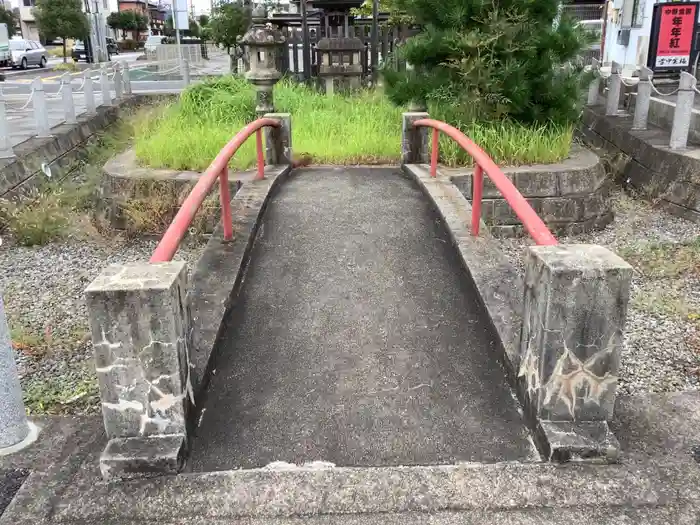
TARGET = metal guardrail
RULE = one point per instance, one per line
(684, 94)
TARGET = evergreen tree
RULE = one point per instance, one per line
(492, 59)
(61, 18)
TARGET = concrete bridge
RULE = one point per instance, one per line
(353, 348)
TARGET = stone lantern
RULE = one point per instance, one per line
(263, 47)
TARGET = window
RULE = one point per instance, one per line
(18, 45)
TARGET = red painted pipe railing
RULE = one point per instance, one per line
(484, 164)
(218, 169)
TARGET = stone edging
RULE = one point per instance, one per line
(570, 196)
(124, 179)
(217, 277)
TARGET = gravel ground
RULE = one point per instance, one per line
(43, 292)
(662, 340)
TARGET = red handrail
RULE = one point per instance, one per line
(483, 163)
(218, 169)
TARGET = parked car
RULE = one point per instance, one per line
(112, 47)
(152, 42)
(27, 53)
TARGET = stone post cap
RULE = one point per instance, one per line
(687, 81)
(580, 257)
(645, 73)
(38, 84)
(615, 68)
(137, 276)
(66, 78)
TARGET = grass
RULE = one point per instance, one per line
(362, 128)
(58, 209)
(664, 260)
(75, 391)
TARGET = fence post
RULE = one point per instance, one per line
(613, 101)
(594, 86)
(14, 427)
(278, 141)
(414, 141)
(5, 139)
(127, 79)
(41, 110)
(104, 86)
(67, 94)
(89, 93)
(683, 112)
(118, 88)
(186, 72)
(641, 106)
(570, 346)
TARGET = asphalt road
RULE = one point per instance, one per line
(18, 75)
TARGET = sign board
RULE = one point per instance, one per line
(180, 18)
(672, 36)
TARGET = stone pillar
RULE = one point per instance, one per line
(186, 72)
(89, 93)
(278, 141)
(104, 87)
(5, 138)
(140, 327)
(594, 86)
(14, 427)
(641, 106)
(613, 101)
(68, 102)
(41, 111)
(683, 113)
(574, 314)
(118, 87)
(414, 141)
(127, 79)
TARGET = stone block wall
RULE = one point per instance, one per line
(126, 184)
(19, 175)
(644, 161)
(571, 197)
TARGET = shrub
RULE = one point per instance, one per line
(129, 45)
(492, 60)
(41, 219)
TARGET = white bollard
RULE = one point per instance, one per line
(186, 72)
(613, 102)
(683, 112)
(118, 88)
(89, 93)
(641, 106)
(594, 86)
(5, 139)
(67, 95)
(127, 79)
(41, 110)
(104, 87)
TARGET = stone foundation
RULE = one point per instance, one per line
(644, 161)
(571, 197)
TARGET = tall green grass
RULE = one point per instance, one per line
(362, 128)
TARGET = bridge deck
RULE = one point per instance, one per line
(357, 339)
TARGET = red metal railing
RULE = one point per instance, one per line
(483, 163)
(218, 169)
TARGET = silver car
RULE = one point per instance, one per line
(27, 53)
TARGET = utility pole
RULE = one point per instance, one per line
(306, 45)
(375, 42)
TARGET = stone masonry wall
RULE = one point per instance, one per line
(19, 175)
(644, 161)
(571, 197)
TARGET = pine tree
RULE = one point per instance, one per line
(492, 59)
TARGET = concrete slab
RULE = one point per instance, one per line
(356, 339)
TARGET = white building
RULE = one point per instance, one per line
(627, 33)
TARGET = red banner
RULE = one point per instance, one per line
(675, 35)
